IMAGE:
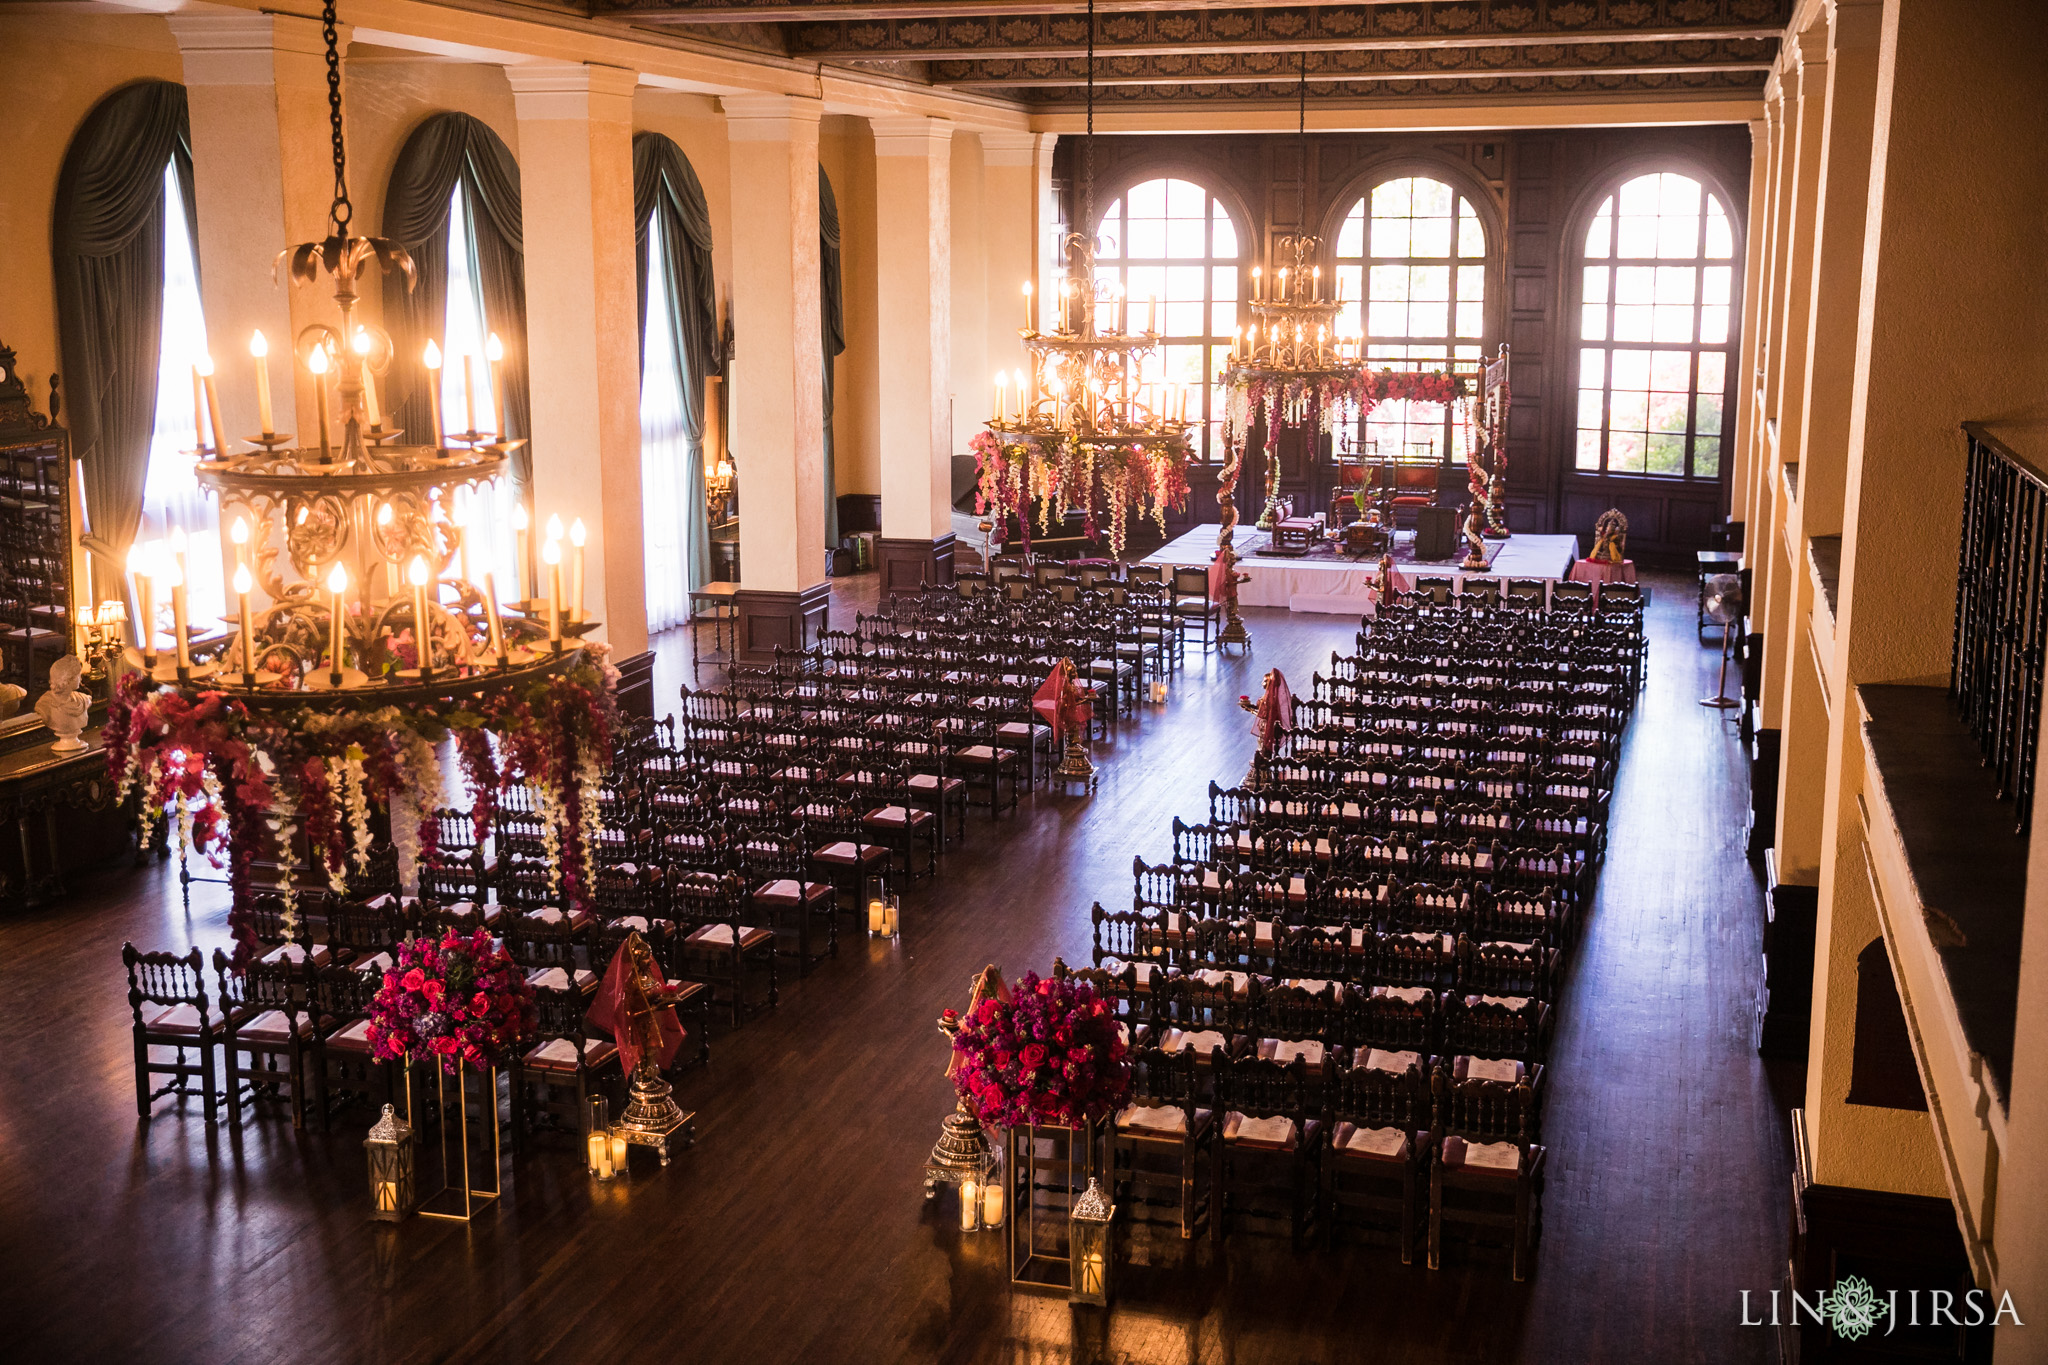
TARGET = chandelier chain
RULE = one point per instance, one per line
(341, 211)
(1088, 157)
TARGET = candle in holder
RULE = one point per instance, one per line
(1258, 280)
(551, 555)
(174, 571)
(1316, 276)
(970, 1204)
(239, 534)
(370, 413)
(992, 1204)
(1023, 408)
(316, 362)
(1002, 397)
(494, 352)
(1280, 287)
(259, 351)
(469, 393)
(1151, 314)
(337, 584)
(422, 626)
(220, 435)
(491, 616)
(519, 522)
(600, 1145)
(618, 1151)
(577, 535)
(1030, 319)
(432, 360)
(143, 571)
(198, 412)
(243, 584)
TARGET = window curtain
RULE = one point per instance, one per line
(665, 188)
(832, 318)
(107, 250)
(445, 149)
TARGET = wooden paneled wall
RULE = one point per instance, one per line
(1537, 192)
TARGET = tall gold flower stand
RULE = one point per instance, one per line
(1047, 1167)
(468, 1143)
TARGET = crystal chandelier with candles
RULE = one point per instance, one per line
(357, 538)
(1085, 392)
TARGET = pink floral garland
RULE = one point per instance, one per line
(232, 775)
(1101, 481)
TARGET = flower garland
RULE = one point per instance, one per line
(460, 999)
(247, 784)
(1101, 480)
(1052, 1054)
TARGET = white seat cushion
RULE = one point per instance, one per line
(556, 979)
(295, 953)
(1381, 1142)
(1284, 1051)
(1491, 1069)
(1394, 1062)
(1497, 1156)
(1276, 1131)
(1407, 995)
(1160, 1118)
(1201, 1040)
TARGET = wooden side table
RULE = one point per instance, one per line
(714, 603)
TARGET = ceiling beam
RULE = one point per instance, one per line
(1237, 70)
(1234, 31)
(798, 11)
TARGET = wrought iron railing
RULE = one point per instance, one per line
(2001, 633)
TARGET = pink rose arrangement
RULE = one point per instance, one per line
(1052, 1054)
(460, 999)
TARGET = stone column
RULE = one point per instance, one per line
(582, 326)
(914, 319)
(1744, 476)
(1816, 401)
(1017, 192)
(262, 181)
(778, 395)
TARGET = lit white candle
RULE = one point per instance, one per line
(469, 392)
(220, 435)
(577, 536)
(1002, 397)
(551, 555)
(317, 364)
(432, 360)
(175, 577)
(422, 625)
(491, 615)
(1030, 318)
(337, 584)
(143, 571)
(494, 352)
(242, 586)
(370, 412)
(519, 524)
(259, 351)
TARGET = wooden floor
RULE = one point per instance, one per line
(795, 1231)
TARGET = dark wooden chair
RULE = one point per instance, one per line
(1269, 1148)
(264, 1017)
(167, 996)
(1161, 1144)
(1486, 1172)
(554, 1077)
(341, 1059)
(1374, 1171)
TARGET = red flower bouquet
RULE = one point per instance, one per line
(460, 999)
(1052, 1054)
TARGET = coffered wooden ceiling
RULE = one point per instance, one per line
(1034, 51)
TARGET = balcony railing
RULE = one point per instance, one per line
(2001, 633)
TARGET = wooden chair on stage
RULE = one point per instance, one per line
(167, 996)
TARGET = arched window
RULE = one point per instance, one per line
(173, 507)
(1172, 241)
(1411, 262)
(1656, 330)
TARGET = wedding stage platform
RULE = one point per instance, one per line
(1323, 581)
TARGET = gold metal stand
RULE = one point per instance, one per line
(455, 1201)
(1076, 766)
(652, 1116)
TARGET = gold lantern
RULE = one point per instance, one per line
(1088, 1244)
(389, 1149)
